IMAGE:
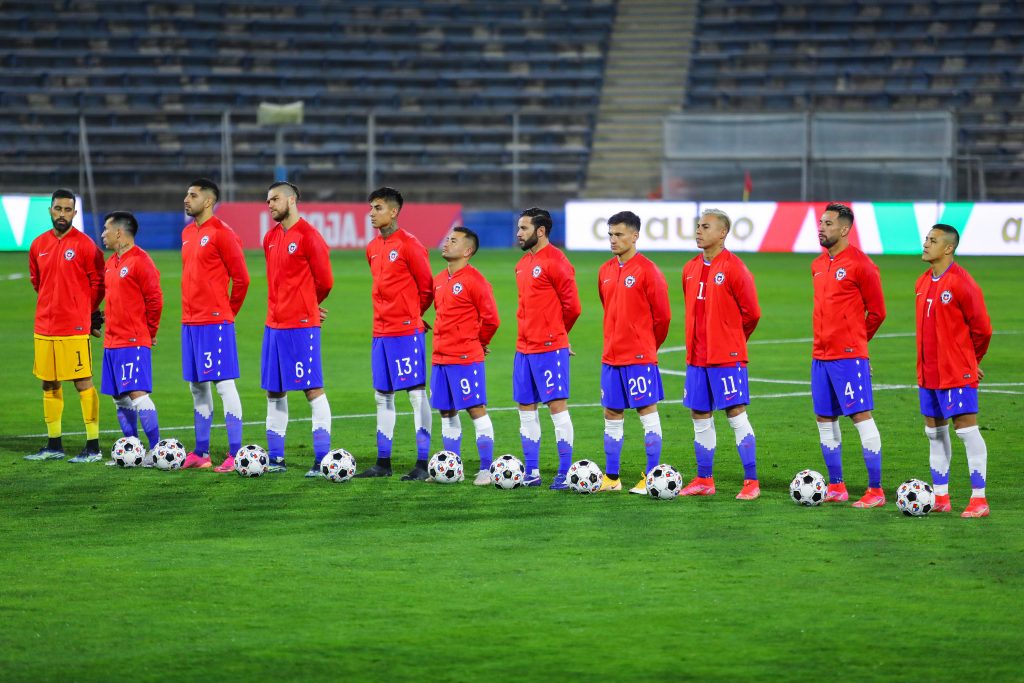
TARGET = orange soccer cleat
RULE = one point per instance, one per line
(837, 493)
(699, 486)
(942, 504)
(751, 490)
(872, 498)
(978, 507)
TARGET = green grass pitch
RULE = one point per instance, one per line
(152, 576)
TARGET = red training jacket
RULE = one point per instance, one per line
(636, 310)
(67, 274)
(848, 304)
(134, 300)
(402, 284)
(211, 256)
(299, 275)
(962, 327)
(467, 316)
(549, 303)
(731, 311)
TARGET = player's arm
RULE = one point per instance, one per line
(94, 270)
(568, 295)
(152, 297)
(661, 309)
(319, 258)
(972, 305)
(874, 302)
(33, 267)
(230, 246)
(745, 292)
(487, 310)
(419, 268)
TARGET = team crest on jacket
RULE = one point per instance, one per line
(206, 240)
(69, 254)
(630, 281)
(292, 247)
(124, 271)
(946, 297)
(840, 274)
(393, 256)
(536, 271)
(719, 278)
(457, 288)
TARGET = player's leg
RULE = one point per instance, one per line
(746, 446)
(871, 445)
(227, 371)
(202, 397)
(73, 356)
(525, 392)
(421, 418)
(141, 401)
(413, 363)
(272, 381)
(321, 411)
(644, 392)
(44, 367)
(826, 409)
(550, 380)
(966, 425)
(564, 439)
(384, 398)
(613, 400)
(698, 397)
(484, 442)
(116, 381)
(940, 449)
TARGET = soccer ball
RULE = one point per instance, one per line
(507, 472)
(445, 467)
(170, 454)
(914, 498)
(808, 488)
(128, 451)
(339, 465)
(251, 461)
(664, 483)
(584, 476)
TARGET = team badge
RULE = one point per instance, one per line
(630, 281)
(124, 271)
(457, 288)
(69, 254)
(393, 256)
(536, 271)
(292, 247)
(840, 274)
(719, 278)
(946, 297)
(203, 242)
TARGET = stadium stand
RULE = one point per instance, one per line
(443, 79)
(967, 56)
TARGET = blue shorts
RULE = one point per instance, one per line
(630, 386)
(208, 352)
(947, 403)
(398, 363)
(841, 387)
(716, 388)
(457, 387)
(128, 369)
(540, 377)
(291, 360)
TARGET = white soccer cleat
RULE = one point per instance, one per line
(482, 478)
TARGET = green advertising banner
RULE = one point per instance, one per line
(25, 217)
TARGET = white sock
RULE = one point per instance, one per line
(741, 428)
(529, 425)
(651, 422)
(202, 398)
(563, 427)
(940, 452)
(870, 439)
(615, 429)
(125, 402)
(321, 413)
(229, 397)
(977, 458)
(420, 409)
(451, 427)
(483, 427)
(704, 432)
(837, 433)
(277, 415)
(385, 414)
(144, 402)
(829, 434)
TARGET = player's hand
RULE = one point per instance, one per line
(571, 352)
(154, 341)
(487, 350)
(426, 327)
(981, 374)
(96, 323)
(323, 314)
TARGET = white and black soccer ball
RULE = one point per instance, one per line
(664, 482)
(915, 498)
(170, 454)
(445, 467)
(251, 461)
(808, 488)
(128, 451)
(584, 476)
(339, 465)
(507, 472)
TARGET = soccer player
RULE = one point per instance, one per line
(721, 314)
(134, 305)
(467, 318)
(636, 318)
(66, 270)
(402, 292)
(848, 310)
(953, 334)
(549, 306)
(299, 278)
(211, 259)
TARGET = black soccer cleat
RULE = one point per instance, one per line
(375, 471)
(418, 472)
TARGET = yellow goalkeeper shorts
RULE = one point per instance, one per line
(58, 359)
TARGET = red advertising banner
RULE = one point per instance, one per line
(344, 226)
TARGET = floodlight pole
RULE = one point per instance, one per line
(227, 160)
(371, 152)
(85, 162)
(280, 170)
(515, 161)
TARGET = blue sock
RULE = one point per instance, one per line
(613, 435)
(147, 416)
(652, 445)
(748, 456)
(873, 462)
(484, 440)
(422, 444)
(127, 418)
(234, 428)
(529, 436)
(705, 441)
(321, 443)
(383, 446)
(831, 450)
(275, 446)
(564, 436)
(202, 432)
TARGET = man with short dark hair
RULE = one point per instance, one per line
(134, 305)
(467, 318)
(637, 315)
(549, 306)
(211, 261)
(66, 270)
(953, 334)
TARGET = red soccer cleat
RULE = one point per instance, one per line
(194, 461)
(751, 490)
(872, 498)
(227, 466)
(837, 493)
(978, 507)
(699, 486)
(942, 504)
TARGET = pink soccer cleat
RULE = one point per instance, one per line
(872, 498)
(750, 491)
(196, 461)
(978, 507)
(942, 504)
(227, 466)
(837, 493)
(699, 486)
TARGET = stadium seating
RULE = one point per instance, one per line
(442, 78)
(967, 56)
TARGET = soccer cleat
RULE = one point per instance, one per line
(837, 493)
(227, 466)
(417, 473)
(872, 498)
(86, 456)
(699, 486)
(45, 453)
(196, 461)
(482, 478)
(609, 484)
(111, 463)
(751, 490)
(276, 467)
(149, 459)
(533, 479)
(374, 471)
(559, 482)
(641, 488)
(313, 472)
(978, 507)
(942, 503)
